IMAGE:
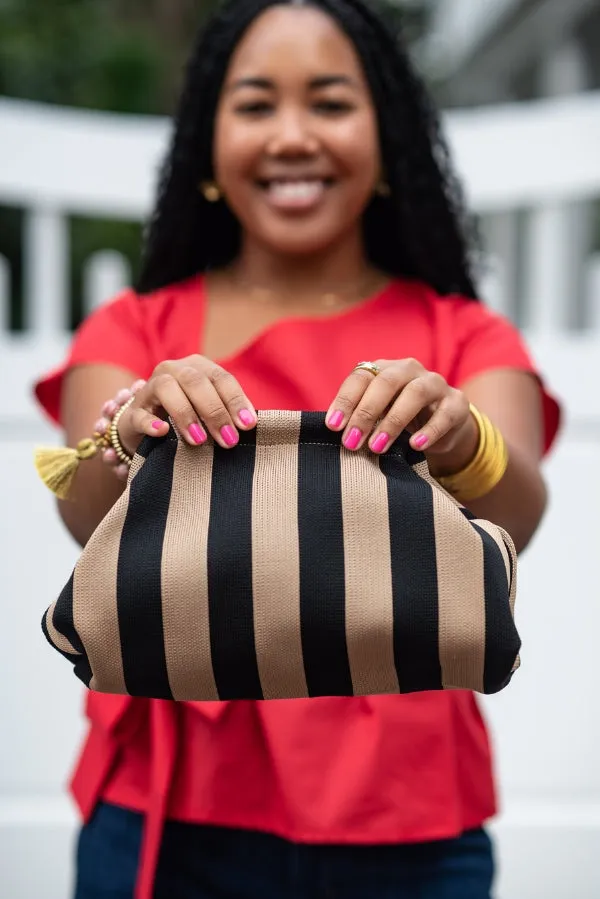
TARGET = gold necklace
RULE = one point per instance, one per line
(329, 299)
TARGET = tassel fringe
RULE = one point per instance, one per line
(57, 466)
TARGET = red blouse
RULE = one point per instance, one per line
(361, 770)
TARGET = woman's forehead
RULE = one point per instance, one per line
(294, 37)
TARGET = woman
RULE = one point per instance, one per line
(306, 220)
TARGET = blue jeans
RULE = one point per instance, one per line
(204, 862)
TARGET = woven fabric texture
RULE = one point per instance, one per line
(286, 568)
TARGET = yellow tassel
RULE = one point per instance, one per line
(57, 466)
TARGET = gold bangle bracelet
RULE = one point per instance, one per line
(485, 470)
(113, 434)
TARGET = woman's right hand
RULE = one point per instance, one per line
(197, 395)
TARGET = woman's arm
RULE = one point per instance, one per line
(95, 489)
(512, 400)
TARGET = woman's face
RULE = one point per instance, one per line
(296, 146)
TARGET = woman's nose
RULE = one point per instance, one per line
(292, 136)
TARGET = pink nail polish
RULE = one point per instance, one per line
(247, 418)
(380, 442)
(197, 434)
(353, 439)
(421, 441)
(229, 435)
(157, 425)
(336, 419)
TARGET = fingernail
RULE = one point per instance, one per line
(229, 435)
(196, 433)
(380, 442)
(336, 419)
(158, 424)
(246, 417)
(353, 439)
(421, 441)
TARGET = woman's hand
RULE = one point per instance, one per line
(198, 395)
(404, 395)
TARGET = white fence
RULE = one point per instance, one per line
(533, 171)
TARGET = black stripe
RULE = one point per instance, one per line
(401, 446)
(62, 619)
(414, 576)
(230, 599)
(322, 574)
(149, 444)
(502, 641)
(139, 576)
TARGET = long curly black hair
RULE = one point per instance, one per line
(419, 231)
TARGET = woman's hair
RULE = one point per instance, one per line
(418, 231)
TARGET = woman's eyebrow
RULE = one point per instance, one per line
(320, 81)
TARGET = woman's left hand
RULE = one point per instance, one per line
(404, 395)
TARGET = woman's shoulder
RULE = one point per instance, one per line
(131, 302)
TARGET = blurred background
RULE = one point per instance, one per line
(85, 91)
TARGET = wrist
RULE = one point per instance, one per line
(462, 453)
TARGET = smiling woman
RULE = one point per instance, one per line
(307, 218)
(297, 157)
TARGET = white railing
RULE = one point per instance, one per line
(539, 157)
(542, 159)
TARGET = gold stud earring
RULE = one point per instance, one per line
(210, 191)
(382, 188)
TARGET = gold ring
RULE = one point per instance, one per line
(371, 367)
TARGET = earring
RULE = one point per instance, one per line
(210, 191)
(382, 188)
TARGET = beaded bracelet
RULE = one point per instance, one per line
(57, 466)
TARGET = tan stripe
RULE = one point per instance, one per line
(185, 600)
(59, 640)
(95, 601)
(136, 464)
(276, 558)
(461, 597)
(369, 596)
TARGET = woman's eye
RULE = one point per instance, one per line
(256, 107)
(333, 107)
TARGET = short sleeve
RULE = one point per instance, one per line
(485, 340)
(114, 334)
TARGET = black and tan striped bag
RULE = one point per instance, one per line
(287, 567)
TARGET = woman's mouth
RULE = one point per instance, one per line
(302, 194)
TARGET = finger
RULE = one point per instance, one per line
(347, 398)
(209, 406)
(370, 396)
(449, 416)
(419, 394)
(370, 408)
(235, 400)
(165, 394)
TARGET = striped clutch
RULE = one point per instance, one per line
(287, 567)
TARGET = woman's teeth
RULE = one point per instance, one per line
(295, 193)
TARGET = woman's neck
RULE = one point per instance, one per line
(343, 268)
